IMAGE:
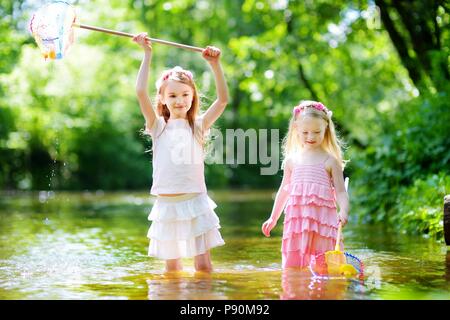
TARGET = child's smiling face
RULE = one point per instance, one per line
(311, 131)
(177, 96)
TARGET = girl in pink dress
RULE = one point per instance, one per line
(312, 187)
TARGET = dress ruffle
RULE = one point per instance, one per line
(298, 249)
(311, 199)
(301, 225)
(310, 222)
(184, 228)
(308, 242)
(175, 249)
(184, 210)
(306, 189)
(323, 215)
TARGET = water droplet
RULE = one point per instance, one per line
(42, 196)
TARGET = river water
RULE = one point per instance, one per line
(93, 245)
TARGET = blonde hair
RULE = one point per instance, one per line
(331, 142)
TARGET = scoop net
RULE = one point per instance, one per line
(51, 26)
(319, 266)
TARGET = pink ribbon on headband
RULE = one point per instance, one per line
(320, 107)
(169, 73)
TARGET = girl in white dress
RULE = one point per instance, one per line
(184, 223)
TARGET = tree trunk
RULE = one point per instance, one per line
(400, 44)
(422, 39)
(300, 71)
(302, 76)
(423, 36)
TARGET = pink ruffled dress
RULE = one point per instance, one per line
(310, 222)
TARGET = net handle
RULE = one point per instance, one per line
(130, 35)
(337, 247)
(339, 232)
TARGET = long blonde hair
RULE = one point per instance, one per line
(331, 142)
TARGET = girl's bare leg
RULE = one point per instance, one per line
(202, 262)
(174, 265)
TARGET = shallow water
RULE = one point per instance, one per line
(94, 246)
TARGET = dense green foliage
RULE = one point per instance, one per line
(404, 175)
(75, 123)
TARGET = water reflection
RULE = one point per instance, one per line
(93, 246)
(300, 285)
(182, 286)
(447, 266)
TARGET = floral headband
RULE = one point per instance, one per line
(168, 73)
(318, 106)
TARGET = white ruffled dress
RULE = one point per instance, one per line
(183, 226)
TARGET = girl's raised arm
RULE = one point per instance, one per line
(212, 55)
(142, 81)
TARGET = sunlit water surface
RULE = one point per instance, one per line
(94, 246)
